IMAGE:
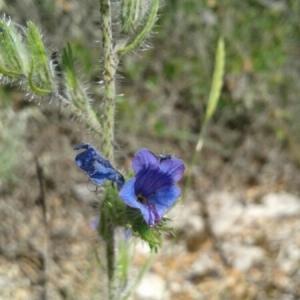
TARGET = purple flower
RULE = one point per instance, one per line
(97, 167)
(153, 190)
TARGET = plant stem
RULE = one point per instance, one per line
(110, 65)
(111, 61)
(111, 261)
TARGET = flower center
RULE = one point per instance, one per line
(141, 199)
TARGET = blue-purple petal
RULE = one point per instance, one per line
(149, 216)
(98, 178)
(127, 194)
(173, 167)
(150, 180)
(165, 198)
(144, 159)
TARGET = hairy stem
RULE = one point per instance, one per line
(110, 66)
(111, 261)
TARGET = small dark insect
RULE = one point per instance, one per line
(165, 157)
(56, 64)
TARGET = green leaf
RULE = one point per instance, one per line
(130, 15)
(41, 77)
(215, 90)
(13, 54)
(142, 35)
(217, 80)
(75, 92)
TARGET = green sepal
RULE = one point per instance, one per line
(151, 235)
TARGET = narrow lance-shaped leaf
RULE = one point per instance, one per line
(10, 53)
(214, 96)
(217, 80)
(131, 13)
(68, 65)
(127, 12)
(215, 90)
(41, 78)
(142, 35)
(75, 92)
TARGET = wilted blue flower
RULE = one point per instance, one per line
(153, 190)
(97, 167)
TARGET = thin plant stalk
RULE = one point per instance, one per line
(212, 103)
(111, 61)
(139, 277)
(110, 64)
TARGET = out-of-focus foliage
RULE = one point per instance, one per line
(262, 54)
(174, 76)
(12, 127)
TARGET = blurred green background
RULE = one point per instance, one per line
(165, 89)
(163, 93)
